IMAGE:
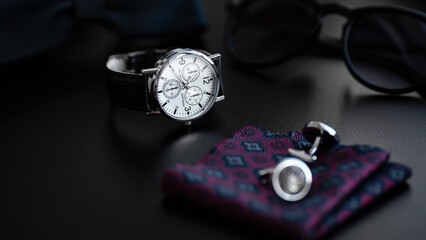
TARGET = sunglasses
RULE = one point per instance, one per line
(384, 47)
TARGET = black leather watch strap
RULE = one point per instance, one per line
(126, 85)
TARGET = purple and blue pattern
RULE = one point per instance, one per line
(345, 179)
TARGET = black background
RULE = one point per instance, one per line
(76, 167)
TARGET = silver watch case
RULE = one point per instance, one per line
(155, 73)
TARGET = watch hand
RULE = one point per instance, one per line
(180, 73)
(175, 84)
(192, 79)
(178, 76)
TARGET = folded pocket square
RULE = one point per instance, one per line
(345, 180)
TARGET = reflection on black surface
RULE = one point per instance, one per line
(212, 219)
(278, 79)
(374, 102)
(384, 109)
(385, 121)
(422, 90)
(143, 141)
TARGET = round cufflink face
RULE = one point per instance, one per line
(292, 179)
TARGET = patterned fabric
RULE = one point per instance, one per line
(345, 179)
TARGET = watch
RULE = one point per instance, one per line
(183, 84)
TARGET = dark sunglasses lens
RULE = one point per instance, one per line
(388, 50)
(269, 30)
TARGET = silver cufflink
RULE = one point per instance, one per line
(291, 178)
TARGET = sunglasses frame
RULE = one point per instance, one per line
(354, 15)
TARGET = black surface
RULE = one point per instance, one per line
(75, 167)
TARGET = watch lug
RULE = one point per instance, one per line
(153, 113)
(220, 98)
(215, 57)
(149, 70)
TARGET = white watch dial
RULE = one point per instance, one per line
(187, 86)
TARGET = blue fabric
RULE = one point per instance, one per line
(31, 26)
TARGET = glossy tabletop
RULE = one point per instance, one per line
(76, 167)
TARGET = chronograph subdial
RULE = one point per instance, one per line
(171, 88)
(193, 95)
(190, 72)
